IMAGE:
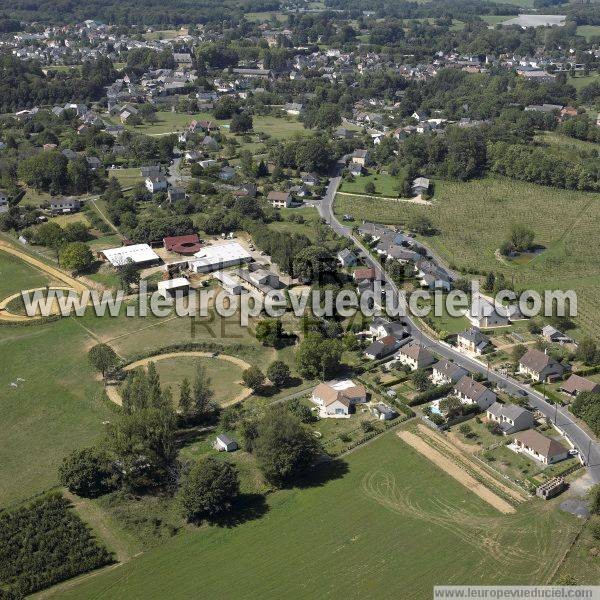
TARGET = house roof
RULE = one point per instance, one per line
(450, 369)
(416, 352)
(278, 196)
(474, 335)
(328, 394)
(543, 445)
(470, 388)
(510, 411)
(575, 383)
(364, 273)
(537, 361)
(225, 439)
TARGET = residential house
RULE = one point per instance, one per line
(510, 417)
(445, 372)
(484, 313)
(577, 384)
(64, 205)
(279, 199)
(337, 398)
(293, 108)
(540, 366)
(156, 183)
(223, 443)
(94, 162)
(3, 203)
(364, 274)
(470, 391)
(416, 357)
(381, 328)
(382, 347)
(540, 447)
(175, 194)
(346, 258)
(360, 157)
(226, 173)
(355, 169)
(472, 340)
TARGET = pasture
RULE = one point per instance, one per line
(17, 275)
(385, 185)
(392, 520)
(473, 218)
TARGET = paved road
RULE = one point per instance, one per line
(587, 445)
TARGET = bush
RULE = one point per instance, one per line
(209, 489)
(88, 473)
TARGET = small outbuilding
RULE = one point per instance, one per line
(223, 443)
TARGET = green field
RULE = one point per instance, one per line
(58, 407)
(225, 376)
(580, 81)
(18, 275)
(126, 177)
(473, 218)
(393, 522)
(385, 185)
(588, 31)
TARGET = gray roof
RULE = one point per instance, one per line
(474, 335)
(225, 439)
(510, 411)
(450, 369)
(537, 361)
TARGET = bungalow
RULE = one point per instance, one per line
(540, 447)
(510, 417)
(420, 186)
(384, 412)
(175, 194)
(539, 366)
(382, 347)
(554, 335)
(355, 169)
(156, 183)
(310, 179)
(279, 199)
(343, 133)
(415, 357)
(150, 171)
(293, 108)
(223, 443)
(346, 258)
(472, 340)
(470, 391)
(445, 372)
(576, 384)
(337, 398)
(94, 162)
(64, 205)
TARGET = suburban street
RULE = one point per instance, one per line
(588, 446)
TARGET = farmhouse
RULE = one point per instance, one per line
(220, 256)
(139, 254)
(223, 443)
(539, 447)
(382, 347)
(540, 366)
(472, 340)
(337, 398)
(510, 417)
(171, 287)
(415, 357)
(470, 391)
(576, 384)
(445, 372)
(279, 199)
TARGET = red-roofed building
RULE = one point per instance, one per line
(183, 244)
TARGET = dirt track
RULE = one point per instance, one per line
(55, 273)
(456, 472)
(113, 393)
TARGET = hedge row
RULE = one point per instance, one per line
(432, 394)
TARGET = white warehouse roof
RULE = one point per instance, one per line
(138, 253)
(221, 255)
(170, 284)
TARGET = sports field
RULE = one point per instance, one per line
(472, 219)
(389, 527)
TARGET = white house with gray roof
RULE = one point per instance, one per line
(445, 372)
(510, 417)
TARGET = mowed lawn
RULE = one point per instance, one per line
(392, 526)
(385, 185)
(225, 377)
(17, 275)
(57, 406)
(472, 219)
